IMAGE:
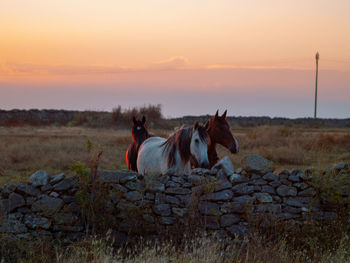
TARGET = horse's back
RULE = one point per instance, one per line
(150, 152)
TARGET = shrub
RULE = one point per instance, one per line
(153, 114)
(93, 196)
(117, 114)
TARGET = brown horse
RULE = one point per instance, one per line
(139, 134)
(219, 132)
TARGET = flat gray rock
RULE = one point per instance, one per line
(243, 189)
(39, 178)
(218, 196)
(307, 192)
(47, 206)
(15, 201)
(178, 179)
(294, 178)
(256, 164)
(270, 177)
(285, 190)
(65, 184)
(257, 182)
(58, 178)
(297, 201)
(222, 185)
(46, 188)
(301, 186)
(286, 216)
(268, 189)
(162, 210)
(172, 200)
(233, 207)
(244, 199)
(156, 187)
(237, 178)
(117, 176)
(228, 220)
(27, 190)
(268, 208)
(135, 185)
(178, 191)
(133, 195)
(263, 197)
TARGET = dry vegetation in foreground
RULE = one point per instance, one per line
(284, 243)
(25, 150)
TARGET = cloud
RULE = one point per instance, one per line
(5, 69)
(23, 69)
(10, 69)
(228, 66)
(171, 63)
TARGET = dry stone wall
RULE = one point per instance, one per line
(221, 199)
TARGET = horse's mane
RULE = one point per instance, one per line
(181, 140)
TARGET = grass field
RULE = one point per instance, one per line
(54, 149)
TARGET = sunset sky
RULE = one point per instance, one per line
(252, 57)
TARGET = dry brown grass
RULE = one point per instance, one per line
(291, 147)
(203, 250)
(26, 149)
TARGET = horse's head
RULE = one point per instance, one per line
(219, 132)
(139, 130)
(199, 145)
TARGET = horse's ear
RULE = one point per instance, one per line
(134, 119)
(143, 119)
(224, 115)
(206, 125)
(216, 114)
(195, 126)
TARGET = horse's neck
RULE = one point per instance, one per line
(212, 154)
(141, 139)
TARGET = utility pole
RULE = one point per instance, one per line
(317, 58)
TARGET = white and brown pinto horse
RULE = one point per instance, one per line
(160, 156)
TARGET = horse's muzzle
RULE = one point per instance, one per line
(233, 149)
